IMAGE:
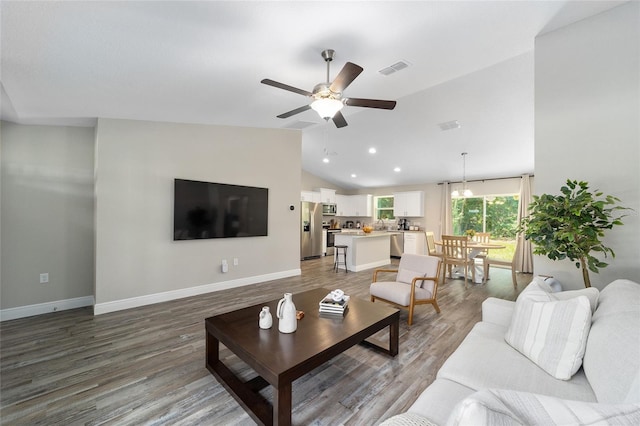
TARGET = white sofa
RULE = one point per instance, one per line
(485, 379)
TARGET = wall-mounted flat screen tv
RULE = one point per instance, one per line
(216, 210)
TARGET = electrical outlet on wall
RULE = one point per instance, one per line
(235, 261)
(44, 278)
(225, 265)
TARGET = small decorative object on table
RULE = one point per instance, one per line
(335, 303)
(266, 320)
(367, 229)
(286, 313)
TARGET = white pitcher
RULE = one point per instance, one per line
(286, 313)
(266, 321)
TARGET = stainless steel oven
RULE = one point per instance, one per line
(331, 240)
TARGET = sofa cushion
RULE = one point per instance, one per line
(612, 356)
(407, 419)
(438, 401)
(540, 283)
(552, 333)
(407, 276)
(505, 407)
(485, 360)
(396, 292)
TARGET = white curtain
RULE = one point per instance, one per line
(524, 253)
(446, 219)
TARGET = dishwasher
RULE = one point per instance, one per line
(397, 244)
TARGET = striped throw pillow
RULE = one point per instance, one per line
(551, 333)
(507, 407)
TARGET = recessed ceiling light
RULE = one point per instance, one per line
(353, 175)
(372, 151)
(397, 169)
(325, 160)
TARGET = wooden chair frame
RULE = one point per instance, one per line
(487, 261)
(431, 245)
(413, 301)
(482, 237)
(456, 252)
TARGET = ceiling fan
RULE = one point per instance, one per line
(327, 97)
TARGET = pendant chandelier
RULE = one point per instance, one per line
(465, 191)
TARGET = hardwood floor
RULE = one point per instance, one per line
(147, 365)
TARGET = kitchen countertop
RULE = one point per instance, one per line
(360, 234)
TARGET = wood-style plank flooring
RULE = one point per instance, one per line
(146, 366)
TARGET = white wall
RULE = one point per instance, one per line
(47, 217)
(587, 91)
(137, 261)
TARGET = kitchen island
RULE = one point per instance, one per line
(365, 251)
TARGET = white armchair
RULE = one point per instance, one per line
(416, 283)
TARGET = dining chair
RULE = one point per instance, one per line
(484, 238)
(416, 283)
(455, 252)
(499, 262)
(431, 245)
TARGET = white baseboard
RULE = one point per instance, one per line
(366, 266)
(45, 308)
(134, 302)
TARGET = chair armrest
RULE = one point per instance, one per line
(375, 273)
(497, 311)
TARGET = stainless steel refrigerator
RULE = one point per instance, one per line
(311, 230)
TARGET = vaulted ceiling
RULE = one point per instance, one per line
(68, 63)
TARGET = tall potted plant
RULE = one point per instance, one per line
(570, 225)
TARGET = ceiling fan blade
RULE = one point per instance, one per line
(347, 74)
(339, 120)
(269, 82)
(294, 111)
(370, 103)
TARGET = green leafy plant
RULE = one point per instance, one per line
(570, 225)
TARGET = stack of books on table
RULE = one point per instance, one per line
(328, 306)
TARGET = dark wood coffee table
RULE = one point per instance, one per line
(279, 358)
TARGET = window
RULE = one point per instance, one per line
(383, 207)
(497, 214)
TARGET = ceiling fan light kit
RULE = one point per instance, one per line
(327, 97)
(326, 107)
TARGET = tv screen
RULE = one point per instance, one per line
(216, 210)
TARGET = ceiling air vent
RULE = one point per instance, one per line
(449, 125)
(400, 65)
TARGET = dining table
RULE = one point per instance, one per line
(475, 248)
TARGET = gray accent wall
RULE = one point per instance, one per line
(136, 163)
(587, 84)
(47, 213)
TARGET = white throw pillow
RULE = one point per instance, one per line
(540, 283)
(407, 275)
(551, 333)
(507, 407)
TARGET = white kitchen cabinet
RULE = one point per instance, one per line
(362, 205)
(354, 205)
(327, 196)
(408, 204)
(415, 242)
(306, 196)
(343, 205)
